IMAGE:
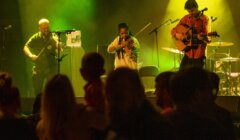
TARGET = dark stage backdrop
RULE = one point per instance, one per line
(11, 42)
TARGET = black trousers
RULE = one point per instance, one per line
(187, 62)
(40, 76)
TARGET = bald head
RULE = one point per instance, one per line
(44, 26)
(43, 21)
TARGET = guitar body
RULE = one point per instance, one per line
(183, 44)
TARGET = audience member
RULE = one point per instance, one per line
(92, 68)
(59, 113)
(191, 92)
(34, 118)
(162, 91)
(130, 115)
(12, 125)
(219, 113)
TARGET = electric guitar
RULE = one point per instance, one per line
(185, 31)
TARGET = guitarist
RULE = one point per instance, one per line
(190, 31)
(41, 48)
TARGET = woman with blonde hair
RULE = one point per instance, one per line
(59, 115)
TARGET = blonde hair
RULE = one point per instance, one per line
(58, 107)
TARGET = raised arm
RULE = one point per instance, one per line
(114, 46)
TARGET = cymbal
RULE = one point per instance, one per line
(229, 59)
(221, 44)
(172, 50)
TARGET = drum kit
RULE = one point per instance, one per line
(227, 67)
(175, 52)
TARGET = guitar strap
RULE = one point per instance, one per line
(43, 49)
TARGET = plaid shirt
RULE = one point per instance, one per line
(201, 25)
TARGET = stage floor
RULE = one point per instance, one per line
(231, 103)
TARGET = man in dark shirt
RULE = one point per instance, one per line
(41, 48)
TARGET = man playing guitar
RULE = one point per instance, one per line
(41, 48)
(191, 34)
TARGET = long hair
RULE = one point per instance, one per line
(58, 106)
(124, 94)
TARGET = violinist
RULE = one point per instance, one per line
(125, 47)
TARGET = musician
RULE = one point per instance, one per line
(126, 48)
(41, 48)
(194, 38)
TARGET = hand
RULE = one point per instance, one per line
(124, 43)
(119, 46)
(33, 57)
(179, 36)
(200, 36)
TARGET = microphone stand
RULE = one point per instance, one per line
(59, 57)
(155, 31)
(2, 52)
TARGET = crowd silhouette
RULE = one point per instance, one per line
(118, 108)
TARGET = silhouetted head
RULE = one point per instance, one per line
(5, 79)
(124, 93)
(215, 83)
(10, 103)
(191, 83)
(92, 66)
(58, 100)
(5, 83)
(162, 89)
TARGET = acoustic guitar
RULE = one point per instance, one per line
(187, 32)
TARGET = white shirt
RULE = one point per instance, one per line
(128, 57)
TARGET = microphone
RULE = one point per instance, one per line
(8, 27)
(205, 9)
(213, 18)
(173, 21)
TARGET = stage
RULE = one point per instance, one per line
(231, 103)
